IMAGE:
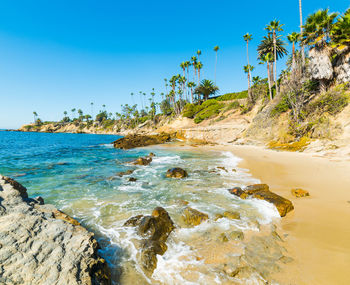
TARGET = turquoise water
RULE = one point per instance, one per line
(77, 173)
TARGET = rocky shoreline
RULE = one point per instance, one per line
(42, 245)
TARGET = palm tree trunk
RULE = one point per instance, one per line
(293, 57)
(301, 32)
(269, 79)
(216, 62)
(188, 79)
(192, 95)
(199, 75)
(249, 91)
(248, 59)
(275, 58)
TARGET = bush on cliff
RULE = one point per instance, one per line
(233, 96)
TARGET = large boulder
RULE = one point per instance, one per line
(176, 173)
(262, 192)
(192, 217)
(155, 230)
(342, 67)
(42, 245)
(132, 141)
(320, 65)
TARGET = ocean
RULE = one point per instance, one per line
(78, 174)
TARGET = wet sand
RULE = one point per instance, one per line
(319, 227)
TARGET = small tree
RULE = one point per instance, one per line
(206, 88)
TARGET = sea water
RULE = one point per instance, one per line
(78, 174)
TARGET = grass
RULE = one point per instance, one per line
(233, 96)
(292, 146)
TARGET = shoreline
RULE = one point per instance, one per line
(317, 228)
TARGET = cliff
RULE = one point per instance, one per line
(41, 245)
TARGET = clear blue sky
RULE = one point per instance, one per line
(57, 55)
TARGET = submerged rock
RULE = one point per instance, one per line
(298, 193)
(156, 230)
(262, 192)
(42, 245)
(143, 161)
(132, 179)
(232, 215)
(128, 172)
(192, 217)
(132, 141)
(176, 173)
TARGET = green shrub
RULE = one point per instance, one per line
(233, 105)
(208, 112)
(281, 107)
(331, 102)
(233, 96)
(189, 111)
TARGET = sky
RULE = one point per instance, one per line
(61, 54)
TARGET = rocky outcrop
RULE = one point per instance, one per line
(298, 193)
(192, 217)
(132, 141)
(155, 229)
(342, 68)
(320, 65)
(41, 245)
(176, 173)
(262, 192)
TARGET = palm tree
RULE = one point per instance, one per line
(341, 31)
(267, 46)
(206, 88)
(248, 69)
(273, 28)
(140, 93)
(216, 48)
(199, 52)
(267, 58)
(191, 85)
(301, 32)
(317, 28)
(199, 66)
(256, 80)
(194, 63)
(73, 111)
(132, 97)
(293, 38)
(35, 115)
(247, 38)
(166, 85)
(187, 65)
(65, 114)
(92, 109)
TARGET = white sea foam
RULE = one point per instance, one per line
(166, 159)
(267, 211)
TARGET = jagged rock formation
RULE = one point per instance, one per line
(132, 141)
(41, 245)
(342, 68)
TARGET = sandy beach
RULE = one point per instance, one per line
(317, 230)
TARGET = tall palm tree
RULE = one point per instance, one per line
(166, 85)
(301, 32)
(199, 67)
(293, 38)
(267, 46)
(187, 66)
(194, 64)
(216, 48)
(341, 31)
(248, 69)
(191, 85)
(73, 111)
(274, 27)
(247, 38)
(92, 110)
(132, 97)
(140, 94)
(35, 115)
(318, 27)
(206, 88)
(268, 59)
(199, 52)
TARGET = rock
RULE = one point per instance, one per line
(262, 192)
(176, 173)
(192, 217)
(151, 154)
(128, 172)
(238, 192)
(42, 245)
(342, 67)
(236, 235)
(298, 193)
(222, 168)
(232, 215)
(132, 141)
(320, 65)
(155, 229)
(222, 237)
(143, 161)
(218, 216)
(132, 179)
(251, 189)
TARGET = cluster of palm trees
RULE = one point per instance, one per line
(322, 30)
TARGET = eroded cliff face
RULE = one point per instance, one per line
(320, 65)
(342, 68)
(41, 245)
